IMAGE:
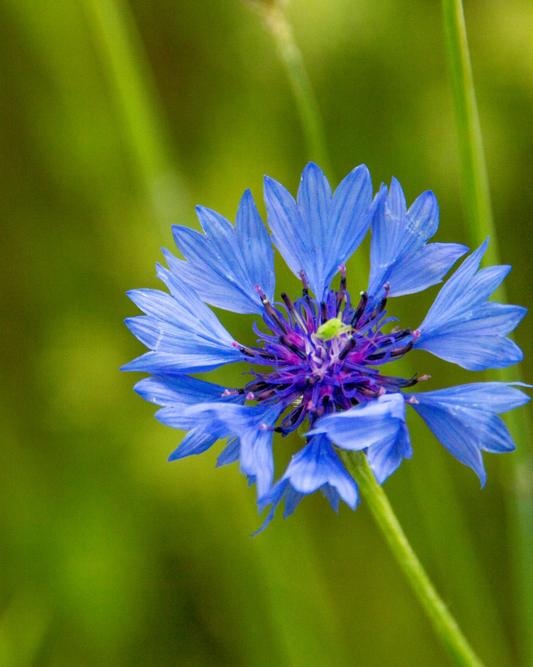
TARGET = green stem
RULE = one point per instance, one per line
(474, 179)
(291, 57)
(478, 216)
(445, 625)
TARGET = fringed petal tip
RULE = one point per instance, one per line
(464, 419)
(318, 232)
(399, 254)
(316, 466)
(225, 263)
(463, 328)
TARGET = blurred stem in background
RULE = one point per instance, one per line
(479, 222)
(462, 567)
(23, 627)
(291, 57)
(138, 106)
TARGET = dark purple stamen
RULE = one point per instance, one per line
(384, 300)
(341, 296)
(274, 314)
(360, 309)
(292, 347)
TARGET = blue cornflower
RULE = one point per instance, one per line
(319, 362)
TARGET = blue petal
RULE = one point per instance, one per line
(351, 214)
(398, 252)
(230, 454)
(254, 241)
(453, 291)
(288, 233)
(316, 466)
(496, 397)
(204, 416)
(183, 334)
(225, 264)
(378, 426)
(373, 423)
(319, 233)
(498, 318)
(164, 390)
(462, 328)
(473, 351)
(253, 426)
(386, 457)
(202, 432)
(292, 500)
(462, 295)
(177, 392)
(459, 431)
(182, 307)
(280, 490)
(332, 495)
(464, 419)
(425, 268)
(273, 498)
(197, 360)
(196, 441)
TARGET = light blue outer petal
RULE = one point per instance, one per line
(495, 397)
(452, 296)
(319, 233)
(230, 454)
(462, 328)
(273, 498)
(251, 425)
(182, 332)
(198, 359)
(386, 457)
(255, 432)
(179, 391)
(425, 268)
(332, 496)
(398, 254)
(373, 423)
(197, 441)
(225, 263)
(464, 419)
(473, 351)
(316, 466)
(202, 432)
(500, 319)
(165, 390)
(378, 426)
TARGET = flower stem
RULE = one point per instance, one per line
(443, 622)
(479, 222)
(278, 25)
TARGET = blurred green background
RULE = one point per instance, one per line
(115, 120)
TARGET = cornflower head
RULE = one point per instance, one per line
(318, 366)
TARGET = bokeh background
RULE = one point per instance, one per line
(115, 120)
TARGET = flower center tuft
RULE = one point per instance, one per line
(325, 356)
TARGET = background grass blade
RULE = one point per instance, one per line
(480, 224)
